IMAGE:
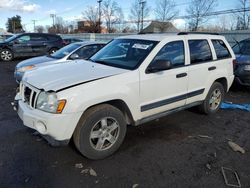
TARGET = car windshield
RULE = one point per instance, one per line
(11, 38)
(65, 51)
(124, 53)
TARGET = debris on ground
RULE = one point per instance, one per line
(39, 139)
(236, 147)
(228, 172)
(205, 136)
(245, 107)
(135, 185)
(89, 171)
(78, 165)
(85, 171)
(92, 172)
(208, 166)
(97, 181)
(27, 180)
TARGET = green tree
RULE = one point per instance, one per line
(14, 24)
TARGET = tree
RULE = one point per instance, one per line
(136, 12)
(14, 24)
(243, 18)
(112, 14)
(165, 10)
(40, 29)
(198, 11)
(91, 15)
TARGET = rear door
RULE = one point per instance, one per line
(39, 44)
(201, 66)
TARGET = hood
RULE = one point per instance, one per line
(35, 61)
(60, 76)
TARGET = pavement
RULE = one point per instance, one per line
(185, 149)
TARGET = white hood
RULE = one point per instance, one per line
(59, 76)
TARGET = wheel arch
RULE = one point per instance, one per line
(223, 82)
(122, 106)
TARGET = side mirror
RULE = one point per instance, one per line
(74, 56)
(16, 42)
(159, 65)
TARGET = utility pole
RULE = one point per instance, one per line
(100, 14)
(13, 26)
(53, 16)
(142, 3)
(34, 23)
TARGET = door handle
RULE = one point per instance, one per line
(181, 75)
(211, 68)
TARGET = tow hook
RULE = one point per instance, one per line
(14, 105)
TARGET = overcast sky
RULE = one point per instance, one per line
(72, 9)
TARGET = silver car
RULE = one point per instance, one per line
(79, 50)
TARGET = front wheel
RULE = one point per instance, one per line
(100, 132)
(214, 99)
(6, 55)
(52, 50)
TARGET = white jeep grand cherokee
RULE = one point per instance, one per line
(134, 79)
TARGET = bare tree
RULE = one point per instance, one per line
(91, 14)
(136, 12)
(198, 11)
(165, 10)
(40, 29)
(112, 14)
(243, 18)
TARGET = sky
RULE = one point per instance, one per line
(70, 10)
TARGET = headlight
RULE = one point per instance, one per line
(247, 68)
(26, 68)
(48, 102)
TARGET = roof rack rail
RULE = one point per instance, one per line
(206, 33)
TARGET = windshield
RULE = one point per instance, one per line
(65, 51)
(11, 38)
(124, 53)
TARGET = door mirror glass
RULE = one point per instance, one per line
(74, 56)
(159, 65)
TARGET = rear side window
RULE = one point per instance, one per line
(221, 49)
(199, 51)
(174, 52)
(38, 38)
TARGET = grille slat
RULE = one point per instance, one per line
(29, 94)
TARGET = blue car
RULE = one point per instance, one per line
(242, 65)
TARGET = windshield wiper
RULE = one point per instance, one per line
(101, 62)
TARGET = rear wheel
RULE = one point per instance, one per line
(100, 132)
(6, 55)
(214, 99)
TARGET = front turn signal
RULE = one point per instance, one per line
(60, 107)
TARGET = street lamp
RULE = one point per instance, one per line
(99, 1)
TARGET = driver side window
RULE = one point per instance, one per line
(24, 39)
(173, 52)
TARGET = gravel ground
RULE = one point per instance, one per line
(163, 153)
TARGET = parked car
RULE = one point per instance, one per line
(72, 40)
(29, 44)
(242, 66)
(132, 80)
(80, 50)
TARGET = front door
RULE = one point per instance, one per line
(165, 90)
(22, 46)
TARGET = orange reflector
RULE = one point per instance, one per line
(60, 106)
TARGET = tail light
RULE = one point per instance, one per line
(234, 64)
(64, 42)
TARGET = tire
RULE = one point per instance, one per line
(53, 50)
(6, 55)
(94, 136)
(214, 99)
